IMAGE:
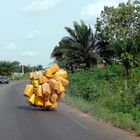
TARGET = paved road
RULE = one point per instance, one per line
(18, 121)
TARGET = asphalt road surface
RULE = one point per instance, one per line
(19, 121)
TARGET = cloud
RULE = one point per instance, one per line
(93, 10)
(29, 53)
(33, 35)
(11, 46)
(41, 6)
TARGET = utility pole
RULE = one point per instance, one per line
(22, 67)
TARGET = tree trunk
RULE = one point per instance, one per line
(127, 69)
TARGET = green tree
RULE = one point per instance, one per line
(39, 67)
(36, 68)
(77, 48)
(16, 66)
(120, 27)
(60, 53)
(7, 67)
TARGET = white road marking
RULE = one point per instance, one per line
(82, 125)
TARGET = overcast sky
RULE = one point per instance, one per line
(30, 29)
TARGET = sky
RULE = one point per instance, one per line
(30, 29)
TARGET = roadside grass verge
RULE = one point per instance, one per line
(107, 94)
(121, 120)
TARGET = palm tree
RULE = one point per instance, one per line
(60, 53)
(83, 41)
(77, 48)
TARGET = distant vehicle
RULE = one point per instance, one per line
(4, 79)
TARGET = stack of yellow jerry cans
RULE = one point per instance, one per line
(46, 88)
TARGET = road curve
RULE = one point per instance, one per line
(18, 121)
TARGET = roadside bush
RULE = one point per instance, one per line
(109, 89)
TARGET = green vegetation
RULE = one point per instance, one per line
(7, 67)
(116, 39)
(77, 48)
(113, 92)
(120, 27)
(25, 77)
(10, 67)
(107, 94)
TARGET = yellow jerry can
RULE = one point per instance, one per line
(60, 88)
(54, 68)
(64, 82)
(31, 75)
(37, 75)
(54, 84)
(46, 89)
(42, 79)
(60, 73)
(35, 83)
(48, 104)
(35, 91)
(54, 105)
(39, 91)
(32, 99)
(28, 91)
(48, 73)
(54, 97)
(39, 101)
